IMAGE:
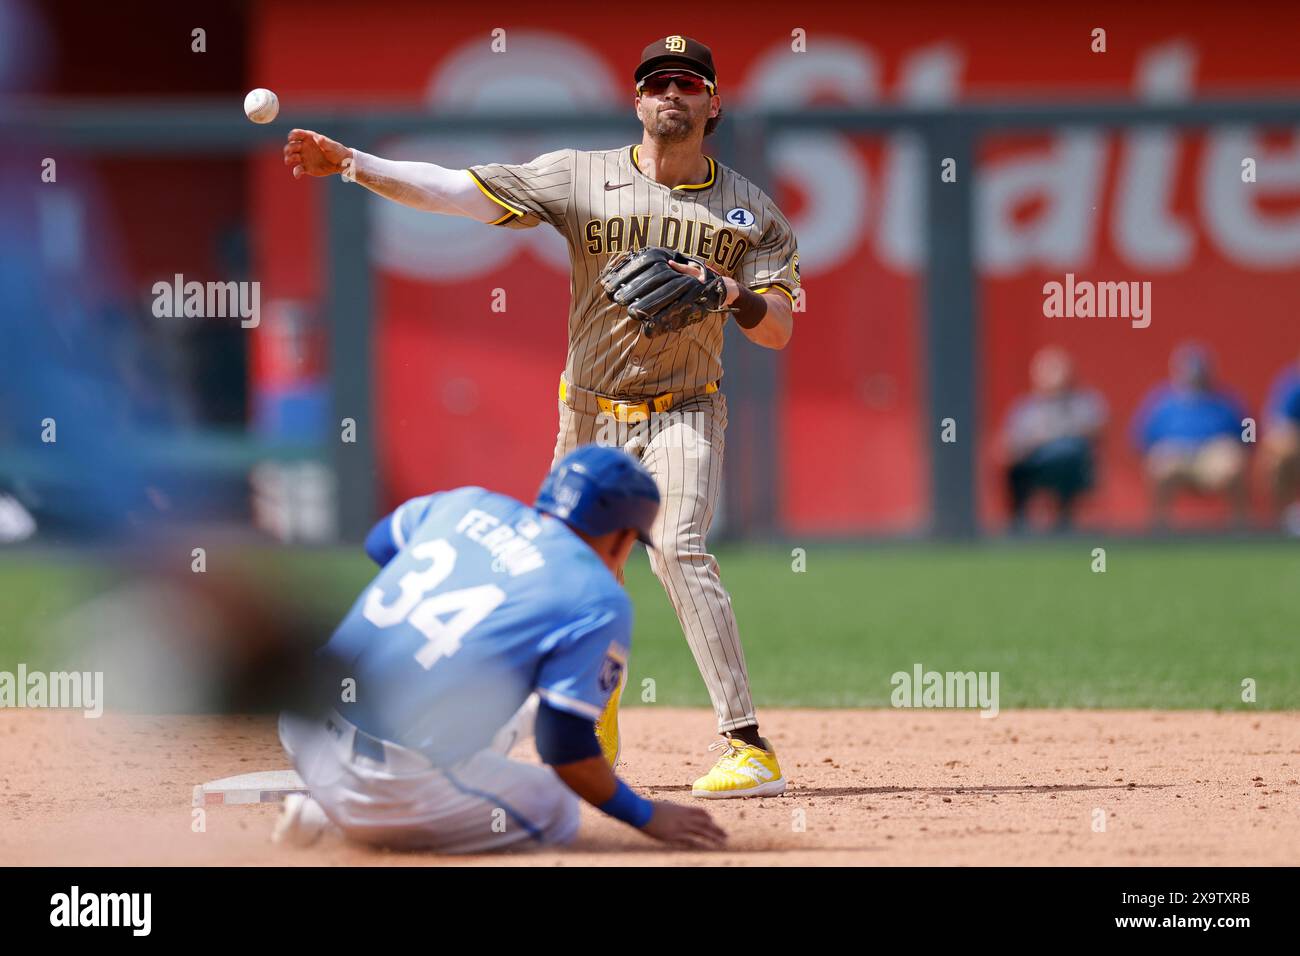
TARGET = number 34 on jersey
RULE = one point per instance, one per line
(444, 619)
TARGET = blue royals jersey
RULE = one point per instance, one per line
(1284, 399)
(481, 601)
(1189, 417)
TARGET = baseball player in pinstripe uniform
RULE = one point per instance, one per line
(652, 389)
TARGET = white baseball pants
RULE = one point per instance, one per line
(483, 803)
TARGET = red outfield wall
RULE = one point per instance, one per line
(466, 394)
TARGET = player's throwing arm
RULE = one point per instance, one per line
(423, 186)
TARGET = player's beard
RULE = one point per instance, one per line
(676, 128)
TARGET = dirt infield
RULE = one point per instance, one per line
(868, 787)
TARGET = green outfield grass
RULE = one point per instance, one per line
(1167, 626)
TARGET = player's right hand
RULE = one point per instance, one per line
(684, 826)
(309, 153)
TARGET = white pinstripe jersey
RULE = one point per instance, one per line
(603, 204)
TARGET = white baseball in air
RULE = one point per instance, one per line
(261, 106)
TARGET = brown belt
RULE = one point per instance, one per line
(623, 411)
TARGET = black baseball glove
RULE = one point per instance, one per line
(657, 295)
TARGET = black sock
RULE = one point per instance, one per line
(748, 734)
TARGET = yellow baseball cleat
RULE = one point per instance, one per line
(743, 771)
(607, 725)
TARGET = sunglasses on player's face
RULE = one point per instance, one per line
(690, 84)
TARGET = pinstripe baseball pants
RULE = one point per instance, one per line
(683, 449)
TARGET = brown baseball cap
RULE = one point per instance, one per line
(677, 49)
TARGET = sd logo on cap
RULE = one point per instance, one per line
(680, 50)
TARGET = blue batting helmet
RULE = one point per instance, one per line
(598, 490)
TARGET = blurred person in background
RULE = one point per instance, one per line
(88, 408)
(1189, 433)
(1049, 436)
(1280, 444)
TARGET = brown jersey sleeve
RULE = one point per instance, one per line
(774, 262)
(529, 193)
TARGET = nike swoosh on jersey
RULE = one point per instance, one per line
(609, 186)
